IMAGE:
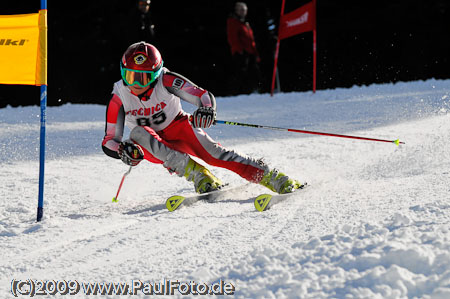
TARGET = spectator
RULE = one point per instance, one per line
(246, 73)
(146, 27)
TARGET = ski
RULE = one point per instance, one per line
(265, 201)
(174, 202)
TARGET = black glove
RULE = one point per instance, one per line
(130, 153)
(204, 117)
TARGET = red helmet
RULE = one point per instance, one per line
(141, 64)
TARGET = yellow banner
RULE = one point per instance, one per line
(23, 49)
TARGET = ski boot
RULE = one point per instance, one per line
(203, 179)
(279, 182)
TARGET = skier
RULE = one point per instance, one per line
(147, 99)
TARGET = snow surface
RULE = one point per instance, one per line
(374, 222)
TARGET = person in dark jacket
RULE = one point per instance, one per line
(246, 74)
(146, 27)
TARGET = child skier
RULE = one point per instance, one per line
(147, 99)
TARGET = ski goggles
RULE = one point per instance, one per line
(140, 78)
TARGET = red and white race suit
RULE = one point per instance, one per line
(160, 126)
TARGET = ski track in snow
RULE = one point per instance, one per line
(374, 222)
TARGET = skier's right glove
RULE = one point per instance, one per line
(130, 153)
(203, 117)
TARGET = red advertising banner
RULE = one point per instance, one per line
(301, 20)
(298, 21)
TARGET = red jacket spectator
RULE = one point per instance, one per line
(240, 36)
(246, 76)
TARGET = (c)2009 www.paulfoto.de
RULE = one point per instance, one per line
(33, 287)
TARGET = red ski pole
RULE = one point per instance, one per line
(120, 186)
(396, 142)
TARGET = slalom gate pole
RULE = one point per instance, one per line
(43, 103)
(396, 142)
(42, 138)
(121, 182)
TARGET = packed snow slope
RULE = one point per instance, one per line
(374, 222)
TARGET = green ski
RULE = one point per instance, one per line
(265, 201)
(174, 202)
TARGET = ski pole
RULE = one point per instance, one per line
(396, 142)
(120, 186)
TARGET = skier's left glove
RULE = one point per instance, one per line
(130, 153)
(204, 117)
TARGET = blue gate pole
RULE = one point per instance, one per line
(40, 209)
(43, 104)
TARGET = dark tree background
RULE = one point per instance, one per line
(358, 43)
